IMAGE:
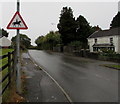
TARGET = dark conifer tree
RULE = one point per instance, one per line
(116, 21)
(67, 25)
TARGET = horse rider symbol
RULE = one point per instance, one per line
(16, 23)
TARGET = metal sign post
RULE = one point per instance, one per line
(17, 23)
(18, 66)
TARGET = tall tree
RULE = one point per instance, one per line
(40, 41)
(3, 33)
(116, 21)
(49, 41)
(95, 28)
(53, 38)
(25, 41)
(83, 30)
(67, 25)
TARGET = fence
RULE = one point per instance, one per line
(10, 67)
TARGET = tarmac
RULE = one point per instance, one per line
(39, 86)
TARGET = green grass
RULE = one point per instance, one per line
(4, 61)
(5, 51)
(5, 71)
(114, 66)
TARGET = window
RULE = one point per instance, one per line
(111, 40)
(95, 40)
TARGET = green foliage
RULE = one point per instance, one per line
(3, 33)
(109, 54)
(108, 51)
(94, 28)
(67, 25)
(74, 30)
(116, 21)
(83, 30)
(114, 66)
(5, 51)
(75, 44)
(39, 40)
(49, 41)
(32, 47)
(25, 41)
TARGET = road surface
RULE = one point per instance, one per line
(38, 86)
(84, 80)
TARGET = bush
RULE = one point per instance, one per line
(75, 44)
(108, 51)
(110, 55)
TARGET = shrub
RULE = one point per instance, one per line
(75, 44)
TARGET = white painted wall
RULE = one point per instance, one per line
(118, 44)
(105, 40)
(91, 43)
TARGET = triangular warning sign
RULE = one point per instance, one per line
(17, 22)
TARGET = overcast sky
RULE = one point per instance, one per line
(42, 17)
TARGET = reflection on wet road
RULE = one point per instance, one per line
(83, 79)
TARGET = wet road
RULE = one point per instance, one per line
(38, 86)
(84, 80)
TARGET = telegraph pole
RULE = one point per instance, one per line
(18, 64)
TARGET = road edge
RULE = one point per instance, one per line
(63, 91)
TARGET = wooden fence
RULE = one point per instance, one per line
(8, 75)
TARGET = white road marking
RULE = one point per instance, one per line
(66, 95)
(35, 64)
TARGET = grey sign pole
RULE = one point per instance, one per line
(18, 65)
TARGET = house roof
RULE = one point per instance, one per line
(4, 41)
(102, 33)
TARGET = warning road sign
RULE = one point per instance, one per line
(17, 22)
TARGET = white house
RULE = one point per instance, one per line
(4, 42)
(109, 39)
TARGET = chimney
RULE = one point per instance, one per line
(97, 28)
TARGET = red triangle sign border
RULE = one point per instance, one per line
(17, 13)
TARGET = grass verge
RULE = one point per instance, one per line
(10, 94)
(4, 72)
(113, 66)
